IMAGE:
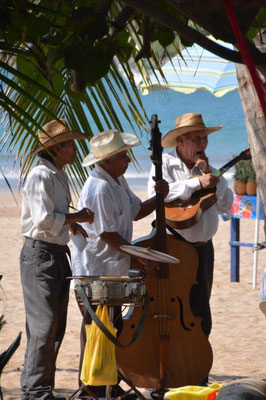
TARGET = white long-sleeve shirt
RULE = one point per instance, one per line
(45, 201)
(182, 186)
(115, 206)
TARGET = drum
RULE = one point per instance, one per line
(113, 290)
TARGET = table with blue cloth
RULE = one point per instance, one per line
(244, 207)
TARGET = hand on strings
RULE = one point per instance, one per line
(208, 181)
(77, 228)
(161, 186)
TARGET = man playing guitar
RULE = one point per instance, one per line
(187, 170)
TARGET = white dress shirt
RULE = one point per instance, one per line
(182, 186)
(115, 206)
(45, 201)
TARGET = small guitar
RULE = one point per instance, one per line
(182, 214)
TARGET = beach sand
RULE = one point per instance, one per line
(239, 328)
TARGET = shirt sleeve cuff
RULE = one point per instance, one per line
(58, 224)
(194, 184)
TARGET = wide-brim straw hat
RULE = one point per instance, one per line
(189, 122)
(56, 132)
(108, 143)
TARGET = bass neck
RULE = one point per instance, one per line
(156, 157)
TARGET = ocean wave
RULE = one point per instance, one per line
(14, 175)
(10, 174)
(145, 174)
(137, 178)
(137, 175)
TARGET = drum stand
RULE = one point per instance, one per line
(83, 388)
(133, 388)
(121, 375)
(108, 396)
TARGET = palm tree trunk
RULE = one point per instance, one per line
(255, 121)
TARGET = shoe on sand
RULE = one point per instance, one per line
(262, 307)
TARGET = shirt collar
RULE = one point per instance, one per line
(51, 166)
(98, 170)
(175, 159)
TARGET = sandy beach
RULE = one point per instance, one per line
(239, 328)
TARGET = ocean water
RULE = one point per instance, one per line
(223, 144)
(168, 105)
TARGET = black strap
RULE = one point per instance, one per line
(175, 233)
(170, 229)
(103, 328)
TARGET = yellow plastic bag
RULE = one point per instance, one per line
(194, 392)
(99, 362)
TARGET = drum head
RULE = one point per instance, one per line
(149, 254)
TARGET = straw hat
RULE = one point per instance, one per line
(189, 122)
(56, 132)
(107, 144)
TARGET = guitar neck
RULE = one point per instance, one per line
(244, 155)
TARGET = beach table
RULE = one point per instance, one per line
(245, 207)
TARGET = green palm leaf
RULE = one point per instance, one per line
(36, 82)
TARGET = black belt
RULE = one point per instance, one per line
(199, 244)
(61, 248)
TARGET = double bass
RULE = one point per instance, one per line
(172, 349)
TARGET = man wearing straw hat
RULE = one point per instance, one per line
(44, 265)
(187, 170)
(115, 207)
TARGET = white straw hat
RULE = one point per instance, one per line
(107, 144)
(190, 122)
(56, 132)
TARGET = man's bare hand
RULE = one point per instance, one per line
(161, 186)
(208, 181)
(202, 162)
(85, 215)
(75, 228)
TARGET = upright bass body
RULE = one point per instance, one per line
(172, 349)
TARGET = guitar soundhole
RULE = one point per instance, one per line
(172, 299)
(132, 326)
(192, 324)
(151, 298)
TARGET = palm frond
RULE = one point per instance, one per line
(36, 81)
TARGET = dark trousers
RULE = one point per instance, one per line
(201, 292)
(44, 268)
(86, 320)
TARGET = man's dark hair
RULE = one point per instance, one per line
(47, 154)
